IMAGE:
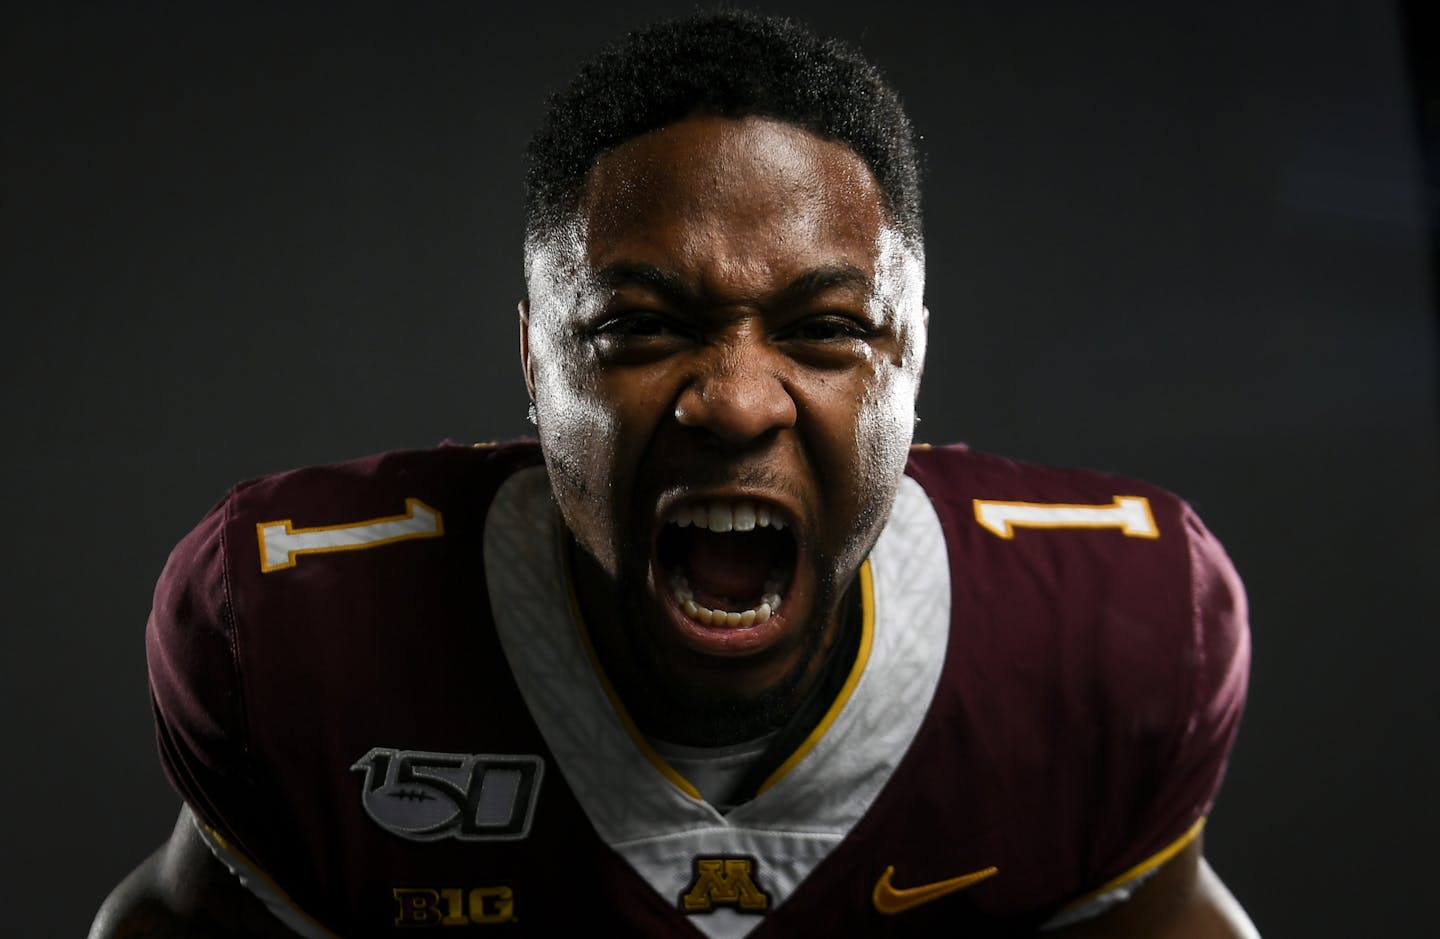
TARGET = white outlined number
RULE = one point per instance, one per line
(1130, 514)
(281, 543)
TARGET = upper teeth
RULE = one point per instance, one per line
(726, 516)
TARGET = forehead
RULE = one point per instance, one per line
(727, 199)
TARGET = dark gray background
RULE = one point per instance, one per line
(1182, 241)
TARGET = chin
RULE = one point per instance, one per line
(692, 695)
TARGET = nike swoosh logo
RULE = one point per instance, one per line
(890, 899)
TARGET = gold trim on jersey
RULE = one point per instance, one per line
(666, 770)
(258, 873)
(1145, 866)
(862, 655)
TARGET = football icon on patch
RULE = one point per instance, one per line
(425, 796)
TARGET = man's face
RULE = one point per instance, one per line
(731, 330)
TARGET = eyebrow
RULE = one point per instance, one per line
(670, 286)
(673, 288)
(821, 279)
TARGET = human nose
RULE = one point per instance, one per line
(738, 396)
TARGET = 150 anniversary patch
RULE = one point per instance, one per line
(425, 796)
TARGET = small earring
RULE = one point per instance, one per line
(531, 416)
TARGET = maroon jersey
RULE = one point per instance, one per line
(372, 688)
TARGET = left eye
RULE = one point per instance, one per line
(827, 329)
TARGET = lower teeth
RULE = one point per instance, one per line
(769, 603)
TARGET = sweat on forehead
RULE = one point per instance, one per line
(729, 64)
(726, 175)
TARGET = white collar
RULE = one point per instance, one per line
(640, 805)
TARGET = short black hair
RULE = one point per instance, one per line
(731, 64)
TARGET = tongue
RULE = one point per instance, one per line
(728, 566)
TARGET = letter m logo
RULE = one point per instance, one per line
(724, 881)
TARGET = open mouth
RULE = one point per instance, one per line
(728, 563)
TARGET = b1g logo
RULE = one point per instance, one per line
(422, 906)
(427, 796)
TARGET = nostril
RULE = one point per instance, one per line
(737, 407)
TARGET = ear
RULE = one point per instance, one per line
(924, 344)
(524, 310)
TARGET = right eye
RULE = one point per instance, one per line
(638, 324)
(634, 337)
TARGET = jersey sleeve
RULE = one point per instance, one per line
(196, 689)
(1181, 741)
(197, 686)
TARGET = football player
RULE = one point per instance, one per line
(722, 654)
